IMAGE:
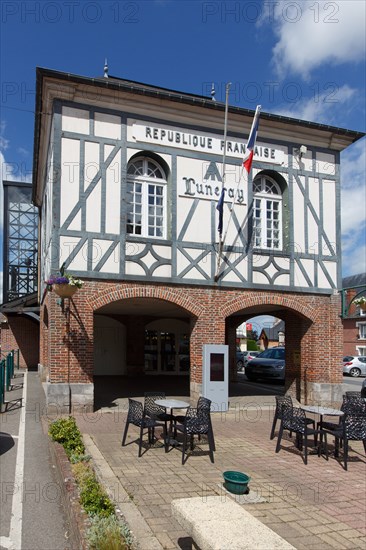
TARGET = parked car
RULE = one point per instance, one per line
(249, 355)
(354, 365)
(268, 364)
(363, 389)
(239, 360)
(242, 358)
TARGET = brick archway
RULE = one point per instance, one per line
(116, 292)
(299, 304)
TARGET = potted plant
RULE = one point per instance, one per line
(361, 302)
(64, 285)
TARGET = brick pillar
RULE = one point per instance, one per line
(314, 353)
(43, 343)
(208, 328)
(231, 325)
(70, 353)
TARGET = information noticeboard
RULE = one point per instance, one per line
(215, 375)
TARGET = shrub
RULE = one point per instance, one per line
(93, 498)
(75, 458)
(251, 345)
(107, 533)
(66, 432)
(81, 472)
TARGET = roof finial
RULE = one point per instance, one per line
(105, 68)
(213, 92)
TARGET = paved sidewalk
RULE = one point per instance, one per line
(318, 506)
(32, 515)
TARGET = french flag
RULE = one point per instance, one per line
(249, 150)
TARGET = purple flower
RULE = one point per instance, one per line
(57, 281)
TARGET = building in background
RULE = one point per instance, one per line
(274, 336)
(353, 316)
(126, 178)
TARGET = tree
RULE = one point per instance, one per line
(252, 335)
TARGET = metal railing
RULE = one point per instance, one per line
(7, 364)
(2, 383)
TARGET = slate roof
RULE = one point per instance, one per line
(354, 280)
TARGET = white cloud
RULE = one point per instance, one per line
(312, 33)
(23, 152)
(4, 143)
(262, 321)
(2, 164)
(353, 200)
(325, 108)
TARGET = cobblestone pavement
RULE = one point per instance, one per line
(318, 506)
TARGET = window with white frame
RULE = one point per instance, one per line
(146, 198)
(267, 213)
(362, 331)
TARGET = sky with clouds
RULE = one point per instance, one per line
(299, 58)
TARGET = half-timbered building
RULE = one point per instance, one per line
(127, 177)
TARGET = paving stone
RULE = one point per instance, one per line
(311, 543)
(306, 497)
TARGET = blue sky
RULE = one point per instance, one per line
(304, 59)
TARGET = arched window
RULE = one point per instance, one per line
(146, 198)
(267, 213)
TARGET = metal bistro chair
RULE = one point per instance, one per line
(157, 412)
(351, 405)
(153, 410)
(351, 428)
(294, 420)
(202, 404)
(282, 400)
(351, 394)
(196, 422)
(137, 417)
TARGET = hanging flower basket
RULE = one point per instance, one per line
(64, 286)
(361, 303)
(65, 291)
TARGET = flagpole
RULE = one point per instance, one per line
(243, 171)
(223, 180)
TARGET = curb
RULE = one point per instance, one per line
(143, 536)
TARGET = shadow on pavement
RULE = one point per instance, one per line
(108, 389)
(6, 442)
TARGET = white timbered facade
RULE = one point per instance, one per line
(127, 177)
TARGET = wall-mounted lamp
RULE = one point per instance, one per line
(301, 151)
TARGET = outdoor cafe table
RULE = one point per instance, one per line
(321, 411)
(172, 404)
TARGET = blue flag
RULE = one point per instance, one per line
(220, 208)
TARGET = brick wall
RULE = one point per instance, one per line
(21, 332)
(350, 336)
(314, 342)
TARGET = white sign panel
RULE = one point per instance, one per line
(215, 376)
(171, 136)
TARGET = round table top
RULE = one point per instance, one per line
(322, 410)
(172, 403)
